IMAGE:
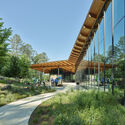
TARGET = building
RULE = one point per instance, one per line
(97, 42)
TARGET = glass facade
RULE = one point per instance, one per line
(106, 54)
(119, 38)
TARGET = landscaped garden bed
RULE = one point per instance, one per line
(15, 90)
(81, 108)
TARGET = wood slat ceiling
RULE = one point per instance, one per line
(48, 66)
(82, 42)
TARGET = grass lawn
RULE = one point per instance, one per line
(81, 108)
(19, 91)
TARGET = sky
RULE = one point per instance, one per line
(50, 26)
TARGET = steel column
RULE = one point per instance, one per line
(98, 59)
(43, 76)
(91, 64)
(58, 71)
(94, 59)
(88, 68)
(124, 54)
(104, 51)
(113, 47)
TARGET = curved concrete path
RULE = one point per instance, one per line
(18, 113)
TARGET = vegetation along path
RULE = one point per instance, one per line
(18, 113)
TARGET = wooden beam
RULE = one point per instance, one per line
(78, 48)
(74, 53)
(92, 15)
(79, 44)
(75, 50)
(81, 40)
(87, 27)
(75, 56)
(83, 34)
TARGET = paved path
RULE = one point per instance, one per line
(18, 113)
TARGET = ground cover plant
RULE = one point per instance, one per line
(81, 108)
(17, 90)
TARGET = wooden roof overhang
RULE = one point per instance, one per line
(48, 66)
(83, 40)
(87, 31)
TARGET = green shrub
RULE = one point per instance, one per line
(87, 108)
(45, 117)
(32, 88)
(68, 119)
(44, 123)
(35, 120)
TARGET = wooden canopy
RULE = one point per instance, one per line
(87, 31)
(82, 43)
(48, 66)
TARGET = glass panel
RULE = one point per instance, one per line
(108, 44)
(96, 46)
(108, 33)
(119, 42)
(101, 39)
(118, 10)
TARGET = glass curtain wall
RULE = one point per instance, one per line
(119, 42)
(108, 44)
(106, 54)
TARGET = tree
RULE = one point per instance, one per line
(40, 58)
(12, 67)
(15, 67)
(19, 48)
(4, 36)
(5, 70)
(118, 59)
(98, 58)
(24, 66)
(121, 46)
(16, 43)
(116, 54)
(27, 50)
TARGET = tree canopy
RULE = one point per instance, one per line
(4, 37)
(40, 58)
(16, 56)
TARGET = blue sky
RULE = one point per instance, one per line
(50, 26)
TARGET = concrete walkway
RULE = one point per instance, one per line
(18, 113)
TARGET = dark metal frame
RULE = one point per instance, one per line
(98, 59)
(104, 50)
(88, 67)
(124, 54)
(113, 47)
(91, 64)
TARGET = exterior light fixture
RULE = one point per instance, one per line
(90, 15)
(84, 26)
